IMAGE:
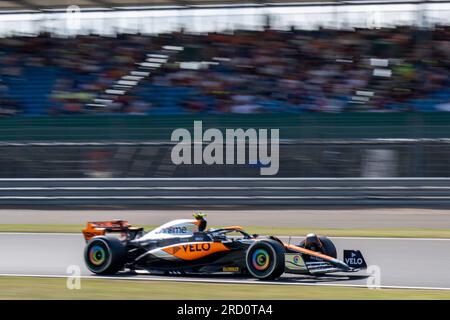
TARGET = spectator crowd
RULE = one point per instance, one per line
(364, 70)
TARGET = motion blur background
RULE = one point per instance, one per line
(94, 88)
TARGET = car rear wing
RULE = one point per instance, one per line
(119, 228)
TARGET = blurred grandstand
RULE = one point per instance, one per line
(270, 71)
(91, 102)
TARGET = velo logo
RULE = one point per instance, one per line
(197, 247)
(235, 140)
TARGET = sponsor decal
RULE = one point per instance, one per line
(194, 250)
(175, 249)
(315, 258)
(318, 266)
(230, 269)
(173, 230)
(294, 262)
(354, 258)
(196, 247)
(353, 261)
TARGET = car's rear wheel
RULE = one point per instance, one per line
(327, 246)
(104, 255)
(265, 259)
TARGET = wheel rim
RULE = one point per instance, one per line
(260, 259)
(97, 255)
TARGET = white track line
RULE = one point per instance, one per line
(222, 281)
(221, 188)
(229, 179)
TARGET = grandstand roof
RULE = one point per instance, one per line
(44, 5)
(62, 5)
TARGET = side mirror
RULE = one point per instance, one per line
(255, 235)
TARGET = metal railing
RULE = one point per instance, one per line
(231, 191)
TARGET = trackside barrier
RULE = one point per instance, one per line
(225, 191)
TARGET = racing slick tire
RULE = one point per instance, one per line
(328, 247)
(265, 259)
(104, 255)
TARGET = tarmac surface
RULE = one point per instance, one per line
(410, 263)
(398, 262)
(354, 217)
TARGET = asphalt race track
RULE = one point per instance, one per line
(418, 263)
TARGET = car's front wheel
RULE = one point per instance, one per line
(265, 259)
(104, 255)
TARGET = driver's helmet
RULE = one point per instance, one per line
(200, 217)
(312, 242)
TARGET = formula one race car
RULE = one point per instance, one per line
(185, 246)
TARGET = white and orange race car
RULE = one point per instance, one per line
(184, 246)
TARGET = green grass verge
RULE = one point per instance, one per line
(53, 288)
(343, 232)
